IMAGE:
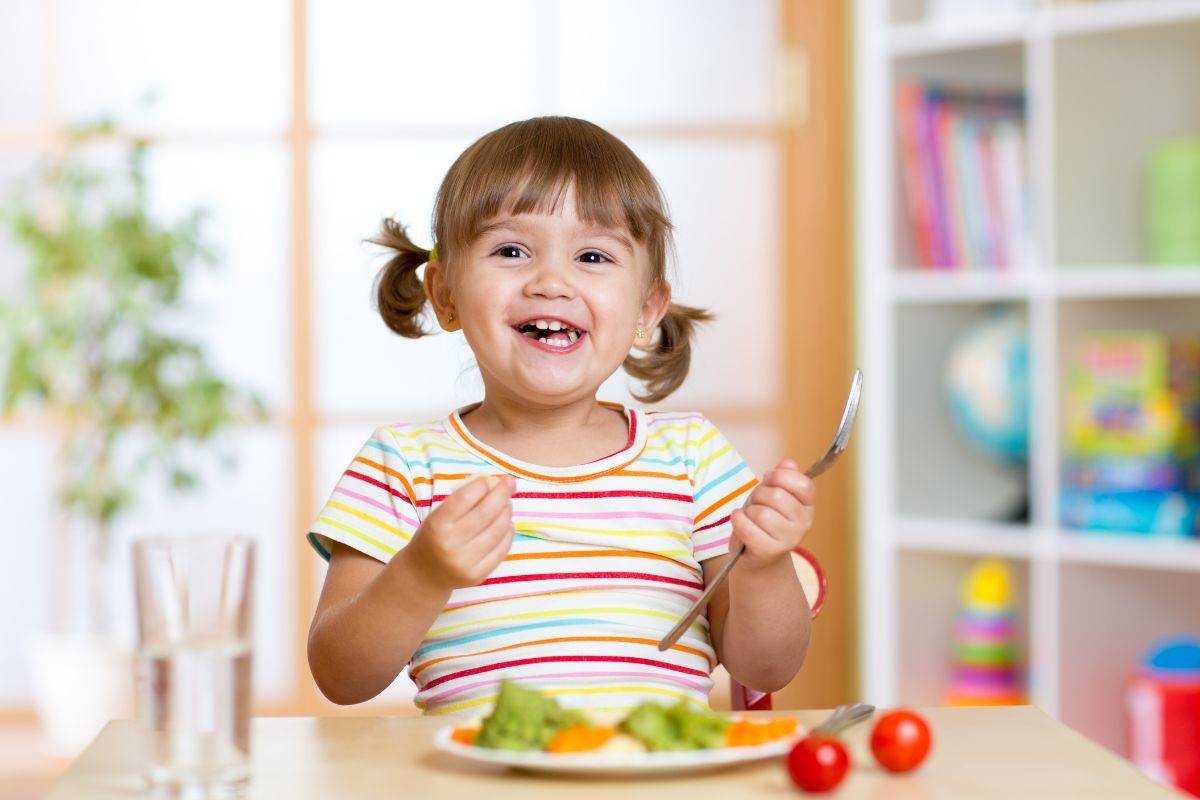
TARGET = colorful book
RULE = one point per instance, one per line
(1132, 416)
(1124, 474)
(942, 240)
(998, 253)
(952, 178)
(918, 175)
(963, 175)
(1009, 153)
(1149, 513)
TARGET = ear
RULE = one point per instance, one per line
(654, 308)
(437, 289)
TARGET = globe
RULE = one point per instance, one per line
(987, 383)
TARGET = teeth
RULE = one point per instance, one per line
(551, 325)
(572, 337)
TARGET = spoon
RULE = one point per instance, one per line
(823, 463)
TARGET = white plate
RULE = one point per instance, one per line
(614, 765)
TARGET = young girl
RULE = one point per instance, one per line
(542, 535)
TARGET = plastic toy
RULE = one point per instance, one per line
(1162, 703)
(985, 668)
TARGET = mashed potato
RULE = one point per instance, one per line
(622, 744)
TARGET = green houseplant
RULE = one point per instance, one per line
(91, 339)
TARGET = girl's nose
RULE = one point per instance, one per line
(549, 279)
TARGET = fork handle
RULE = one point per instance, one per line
(686, 621)
(843, 717)
(822, 464)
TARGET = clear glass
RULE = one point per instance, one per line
(194, 656)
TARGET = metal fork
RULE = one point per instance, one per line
(843, 717)
(849, 412)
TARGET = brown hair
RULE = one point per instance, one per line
(526, 167)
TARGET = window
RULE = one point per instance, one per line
(296, 184)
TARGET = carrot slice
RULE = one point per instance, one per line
(465, 735)
(747, 732)
(781, 727)
(578, 739)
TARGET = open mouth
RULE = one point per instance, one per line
(552, 333)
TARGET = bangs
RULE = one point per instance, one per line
(527, 167)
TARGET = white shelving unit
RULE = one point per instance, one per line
(1103, 82)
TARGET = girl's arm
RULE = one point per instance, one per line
(759, 619)
(371, 616)
(370, 619)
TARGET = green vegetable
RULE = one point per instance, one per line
(524, 720)
(676, 727)
(96, 337)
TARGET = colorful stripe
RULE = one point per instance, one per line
(547, 591)
(654, 692)
(413, 671)
(607, 675)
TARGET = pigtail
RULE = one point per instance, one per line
(665, 367)
(399, 293)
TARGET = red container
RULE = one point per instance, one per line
(1162, 703)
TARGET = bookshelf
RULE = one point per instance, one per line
(1102, 81)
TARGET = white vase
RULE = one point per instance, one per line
(80, 682)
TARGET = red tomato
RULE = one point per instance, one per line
(817, 764)
(900, 740)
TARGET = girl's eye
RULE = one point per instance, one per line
(598, 255)
(508, 251)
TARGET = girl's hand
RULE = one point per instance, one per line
(468, 535)
(776, 516)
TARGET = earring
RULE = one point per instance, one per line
(639, 332)
(450, 317)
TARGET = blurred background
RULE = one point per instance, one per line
(992, 207)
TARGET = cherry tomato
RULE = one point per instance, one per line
(817, 764)
(900, 740)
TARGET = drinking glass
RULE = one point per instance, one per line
(193, 670)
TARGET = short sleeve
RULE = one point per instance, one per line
(722, 482)
(373, 508)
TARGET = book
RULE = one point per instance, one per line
(962, 166)
(1008, 148)
(994, 209)
(918, 173)
(1132, 416)
(1155, 513)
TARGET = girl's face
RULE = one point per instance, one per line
(526, 275)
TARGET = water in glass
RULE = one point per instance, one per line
(194, 661)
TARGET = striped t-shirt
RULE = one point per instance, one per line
(605, 559)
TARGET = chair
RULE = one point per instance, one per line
(812, 580)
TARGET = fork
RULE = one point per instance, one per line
(849, 412)
(843, 717)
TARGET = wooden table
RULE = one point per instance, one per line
(977, 753)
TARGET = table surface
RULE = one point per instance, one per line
(977, 753)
